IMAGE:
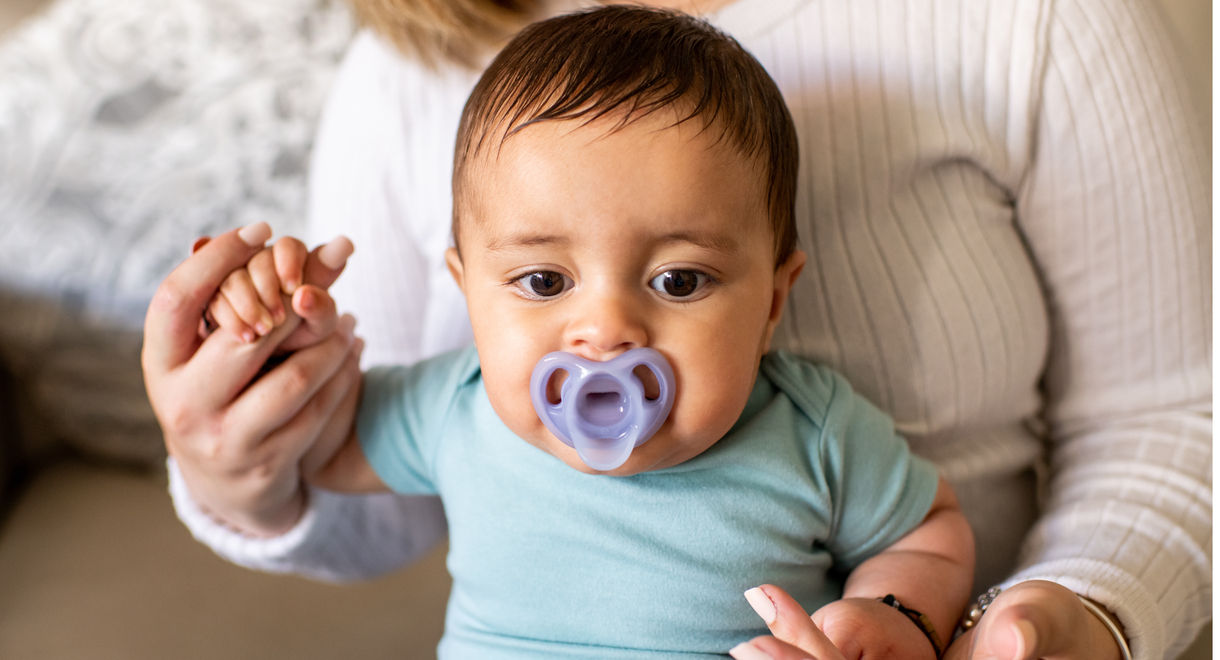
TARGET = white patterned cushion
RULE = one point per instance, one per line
(127, 129)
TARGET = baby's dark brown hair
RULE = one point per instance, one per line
(629, 62)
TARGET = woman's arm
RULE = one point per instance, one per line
(1115, 212)
(374, 179)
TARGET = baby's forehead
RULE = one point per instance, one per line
(693, 186)
(503, 147)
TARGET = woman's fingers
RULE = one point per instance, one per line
(172, 323)
(789, 622)
(278, 395)
(326, 262)
(336, 405)
(770, 648)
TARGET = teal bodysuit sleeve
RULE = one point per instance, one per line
(878, 489)
(403, 415)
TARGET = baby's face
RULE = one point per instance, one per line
(594, 243)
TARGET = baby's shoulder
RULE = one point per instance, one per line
(815, 388)
(440, 375)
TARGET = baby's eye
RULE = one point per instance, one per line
(542, 284)
(680, 284)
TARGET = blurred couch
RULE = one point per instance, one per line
(127, 129)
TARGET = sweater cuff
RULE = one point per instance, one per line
(1119, 592)
(259, 553)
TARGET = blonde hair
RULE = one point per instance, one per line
(454, 30)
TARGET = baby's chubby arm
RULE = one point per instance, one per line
(348, 471)
(930, 569)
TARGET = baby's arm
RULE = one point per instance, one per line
(348, 471)
(929, 570)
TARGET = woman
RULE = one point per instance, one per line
(1006, 216)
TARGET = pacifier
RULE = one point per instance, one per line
(603, 412)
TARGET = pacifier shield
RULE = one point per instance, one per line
(602, 409)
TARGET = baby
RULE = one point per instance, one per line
(624, 180)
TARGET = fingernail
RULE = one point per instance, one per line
(255, 235)
(1026, 638)
(747, 651)
(762, 605)
(347, 325)
(248, 336)
(308, 300)
(335, 253)
(262, 328)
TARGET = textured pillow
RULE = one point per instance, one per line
(127, 129)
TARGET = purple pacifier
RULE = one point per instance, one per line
(602, 410)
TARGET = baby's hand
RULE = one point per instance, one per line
(256, 299)
(868, 628)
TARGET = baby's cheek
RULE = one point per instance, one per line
(708, 406)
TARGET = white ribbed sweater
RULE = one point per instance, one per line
(1006, 207)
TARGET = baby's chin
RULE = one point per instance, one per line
(656, 454)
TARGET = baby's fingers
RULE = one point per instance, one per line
(221, 312)
(290, 255)
(239, 290)
(790, 623)
(262, 269)
(319, 317)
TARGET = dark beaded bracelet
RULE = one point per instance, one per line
(917, 618)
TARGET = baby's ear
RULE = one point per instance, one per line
(785, 276)
(454, 261)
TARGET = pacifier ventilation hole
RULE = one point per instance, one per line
(652, 388)
(554, 386)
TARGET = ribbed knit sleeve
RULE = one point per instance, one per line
(339, 539)
(1116, 213)
(1006, 209)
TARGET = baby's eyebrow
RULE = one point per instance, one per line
(526, 240)
(707, 240)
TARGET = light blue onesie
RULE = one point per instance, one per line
(549, 562)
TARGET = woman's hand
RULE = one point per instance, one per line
(240, 439)
(845, 629)
(1031, 620)
(794, 635)
(1036, 619)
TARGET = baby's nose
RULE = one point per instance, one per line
(606, 326)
